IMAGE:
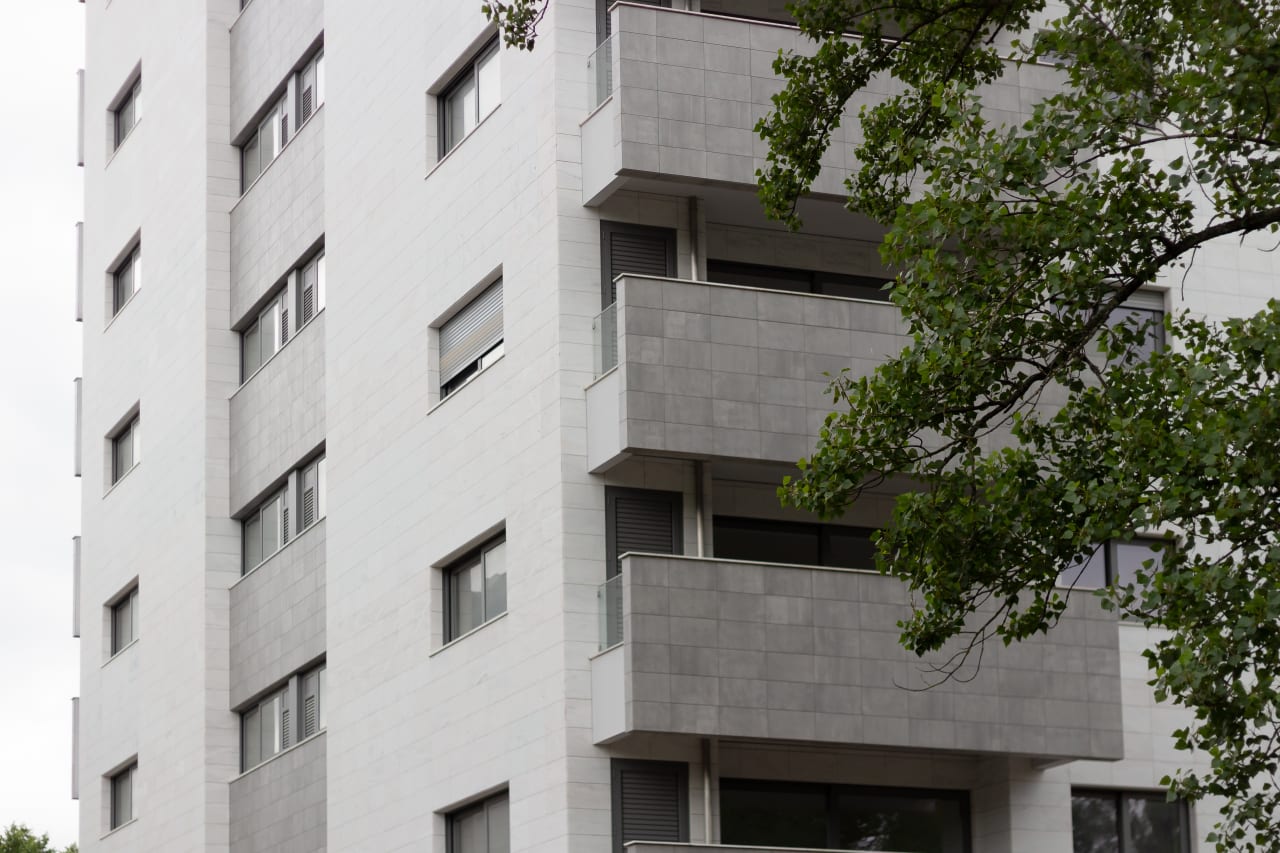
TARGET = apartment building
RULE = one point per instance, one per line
(466, 377)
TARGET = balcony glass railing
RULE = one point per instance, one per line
(604, 333)
(609, 600)
(600, 73)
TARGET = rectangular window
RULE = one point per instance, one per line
(797, 542)
(1116, 562)
(310, 88)
(311, 288)
(1128, 822)
(469, 98)
(265, 144)
(1143, 311)
(122, 796)
(127, 112)
(264, 338)
(124, 621)
(471, 339)
(313, 702)
(126, 449)
(843, 817)
(798, 281)
(266, 530)
(126, 279)
(650, 801)
(633, 249)
(263, 730)
(483, 827)
(476, 589)
(311, 493)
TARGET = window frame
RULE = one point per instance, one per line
(276, 119)
(470, 72)
(1108, 553)
(279, 496)
(453, 822)
(114, 782)
(617, 766)
(129, 264)
(868, 287)
(316, 465)
(130, 100)
(131, 431)
(474, 558)
(1120, 796)
(314, 65)
(279, 321)
(314, 262)
(832, 791)
(486, 358)
(275, 704)
(126, 602)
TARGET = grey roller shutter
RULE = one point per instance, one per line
(634, 249)
(641, 520)
(471, 332)
(650, 800)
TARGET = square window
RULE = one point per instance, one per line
(126, 279)
(124, 621)
(483, 827)
(126, 450)
(126, 113)
(472, 95)
(476, 589)
(122, 796)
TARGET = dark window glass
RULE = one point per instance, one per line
(122, 796)
(1127, 822)
(126, 280)
(481, 828)
(848, 547)
(773, 815)
(124, 621)
(798, 281)
(797, 542)
(128, 112)
(889, 822)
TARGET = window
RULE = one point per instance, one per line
(126, 280)
(310, 87)
(122, 796)
(264, 730)
(1116, 562)
(484, 827)
(266, 530)
(126, 450)
(634, 249)
(476, 589)
(311, 493)
(1143, 311)
(267, 727)
(799, 281)
(264, 145)
(469, 98)
(311, 288)
(127, 112)
(1128, 822)
(124, 621)
(843, 817)
(264, 338)
(471, 339)
(650, 801)
(802, 543)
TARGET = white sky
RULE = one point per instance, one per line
(41, 46)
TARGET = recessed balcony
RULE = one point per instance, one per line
(711, 647)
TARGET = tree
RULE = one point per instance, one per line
(18, 839)
(1029, 416)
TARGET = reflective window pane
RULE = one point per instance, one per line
(489, 89)
(466, 599)
(1128, 557)
(920, 824)
(1090, 573)
(498, 820)
(773, 815)
(1153, 825)
(495, 580)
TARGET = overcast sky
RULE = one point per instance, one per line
(41, 46)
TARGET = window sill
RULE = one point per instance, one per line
(120, 311)
(275, 354)
(126, 648)
(463, 141)
(297, 131)
(123, 477)
(116, 150)
(128, 823)
(277, 552)
(255, 768)
(461, 637)
(472, 378)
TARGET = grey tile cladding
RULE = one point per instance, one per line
(745, 650)
(267, 40)
(279, 807)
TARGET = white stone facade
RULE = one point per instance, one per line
(413, 726)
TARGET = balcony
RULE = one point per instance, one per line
(281, 806)
(713, 371)
(267, 40)
(732, 649)
(683, 90)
